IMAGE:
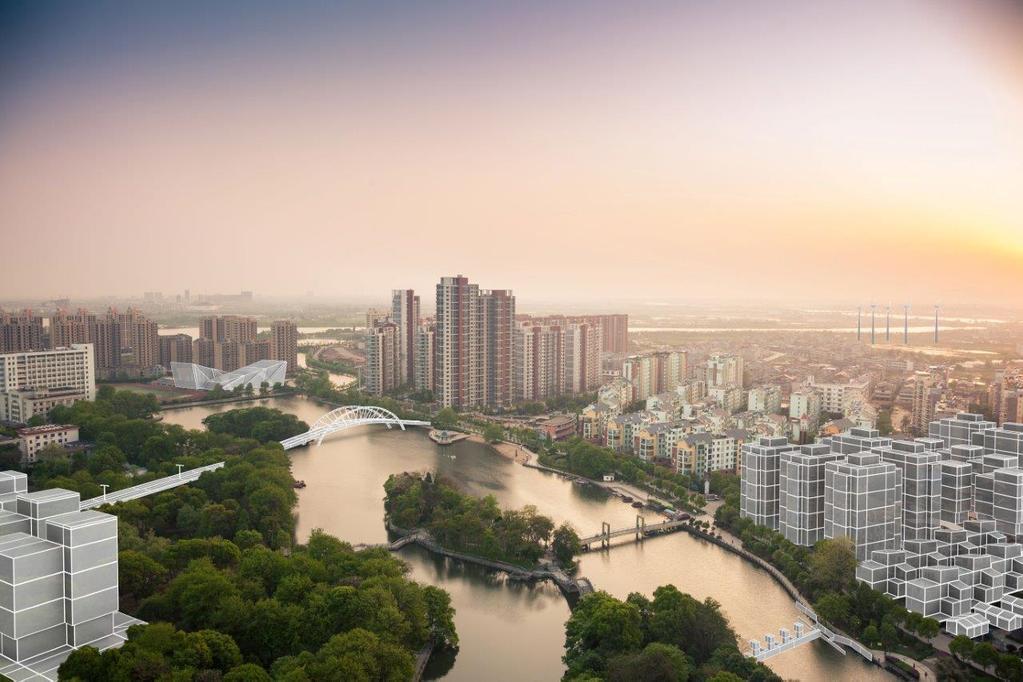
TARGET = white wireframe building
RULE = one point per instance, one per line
(197, 377)
(863, 501)
(801, 493)
(958, 430)
(759, 498)
(921, 486)
(58, 579)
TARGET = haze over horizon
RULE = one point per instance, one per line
(589, 151)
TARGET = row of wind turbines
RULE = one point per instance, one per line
(888, 323)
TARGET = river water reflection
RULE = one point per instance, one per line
(511, 631)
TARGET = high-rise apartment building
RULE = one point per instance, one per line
(424, 357)
(20, 331)
(538, 360)
(582, 357)
(228, 328)
(140, 344)
(615, 332)
(724, 370)
(473, 344)
(175, 348)
(67, 328)
(405, 314)
(382, 371)
(229, 342)
(498, 312)
(33, 382)
(863, 501)
(458, 343)
(284, 343)
(924, 399)
(653, 373)
(125, 343)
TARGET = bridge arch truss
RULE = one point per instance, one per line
(348, 417)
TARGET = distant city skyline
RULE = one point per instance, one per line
(586, 151)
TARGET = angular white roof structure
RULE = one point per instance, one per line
(196, 377)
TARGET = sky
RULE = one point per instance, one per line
(688, 150)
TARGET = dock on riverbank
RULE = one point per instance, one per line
(442, 437)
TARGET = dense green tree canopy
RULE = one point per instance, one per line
(470, 524)
(214, 568)
(670, 637)
(262, 423)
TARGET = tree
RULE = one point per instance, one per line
(1009, 667)
(565, 545)
(961, 647)
(493, 433)
(884, 422)
(985, 655)
(140, 575)
(889, 635)
(656, 663)
(833, 608)
(247, 672)
(949, 669)
(446, 418)
(833, 564)
(928, 628)
(600, 628)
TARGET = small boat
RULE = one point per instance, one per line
(299, 484)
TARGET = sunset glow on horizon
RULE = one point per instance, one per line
(695, 150)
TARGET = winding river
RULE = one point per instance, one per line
(514, 631)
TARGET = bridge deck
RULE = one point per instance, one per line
(321, 432)
(649, 529)
(150, 488)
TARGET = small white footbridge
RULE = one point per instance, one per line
(346, 418)
(801, 634)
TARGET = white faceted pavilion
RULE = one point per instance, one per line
(197, 377)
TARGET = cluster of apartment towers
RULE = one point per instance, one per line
(127, 343)
(476, 352)
(934, 520)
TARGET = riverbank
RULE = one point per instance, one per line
(224, 401)
(512, 451)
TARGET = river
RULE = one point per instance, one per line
(513, 631)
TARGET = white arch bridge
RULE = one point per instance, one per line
(345, 418)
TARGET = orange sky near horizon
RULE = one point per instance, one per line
(802, 152)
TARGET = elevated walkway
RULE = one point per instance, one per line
(150, 488)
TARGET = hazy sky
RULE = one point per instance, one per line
(800, 150)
